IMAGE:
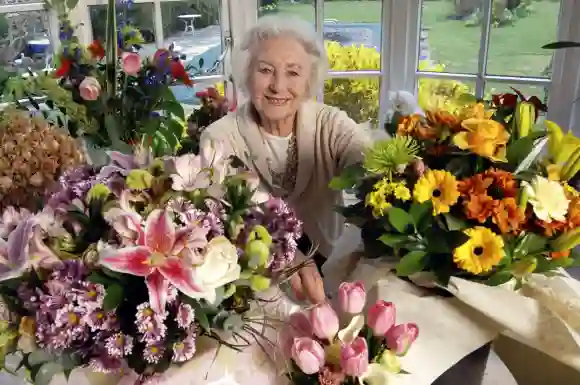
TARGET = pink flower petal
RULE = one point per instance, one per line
(18, 241)
(158, 287)
(181, 275)
(159, 232)
(130, 260)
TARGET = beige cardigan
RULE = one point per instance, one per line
(327, 141)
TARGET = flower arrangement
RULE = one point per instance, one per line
(214, 106)
(364, 352)
(127, 265)
(108, 94)
(463, 192)
(26, 175)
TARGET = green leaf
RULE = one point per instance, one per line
(399, 219)
(348, 178)
(13, 362)
(456, 238)
(139, 179)
(113, 298)
(99, 278)
(518, 151)
(393, 240)
(72, 4)
(499, 278)
(200, 314)
(420, 211)
(39, 357)
(453, 223)
(233, 322)
(46, 373)
(561, 44)
(175, 108)
(531, 244)
(412, 262)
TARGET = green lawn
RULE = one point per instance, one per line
(514, 50)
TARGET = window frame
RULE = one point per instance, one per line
(32, 7)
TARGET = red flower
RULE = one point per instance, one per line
(96, 49)
(505, 100)
(178, 72)
(64, 68)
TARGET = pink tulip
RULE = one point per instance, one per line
(400, 338)
(354, 357)
(381, 317)
(308, 355)
(324, 321)
(90, 89)
(298, 326)
(131, 63)
(352, 297)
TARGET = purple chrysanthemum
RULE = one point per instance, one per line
(185, 350)
(73, 184)
(185, 315)
(210, 219)
(119, 345)
(153, 352)
(106, 364)
(150, 325)
(284, 227)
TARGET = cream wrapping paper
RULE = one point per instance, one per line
(543, 315)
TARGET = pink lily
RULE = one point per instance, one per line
(14, 253)
(155, 257)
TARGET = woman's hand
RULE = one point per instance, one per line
(307, 284)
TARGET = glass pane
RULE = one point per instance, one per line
(25, 41)
(193, 27)
(516, 43)
(359, 97)
(442, 93)
(303, 9)
(139, 15)
(352, 31)
(450, 36)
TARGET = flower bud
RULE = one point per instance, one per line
(352, 297)
(308, 355)
(400, 338)
(324, 321)
(354, 357)
(381, 317)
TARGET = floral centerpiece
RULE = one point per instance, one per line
(463, 192)
(126, 266)
(33, 155)
(107, 93)
(364, 352)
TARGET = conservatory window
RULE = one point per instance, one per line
(25, 37)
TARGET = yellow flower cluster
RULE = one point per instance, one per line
(384, 191)
(32, 156)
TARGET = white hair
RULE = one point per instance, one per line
(272, 26)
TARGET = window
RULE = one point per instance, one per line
(193, 28)
(495, 43)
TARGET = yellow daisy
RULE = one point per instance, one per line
(481, 252)
(439, 187)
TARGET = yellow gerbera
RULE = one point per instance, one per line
(481, 252)
(484, 137)
(439, 187)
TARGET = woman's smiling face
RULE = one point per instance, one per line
(279, 78)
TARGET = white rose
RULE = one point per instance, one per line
(220, 266)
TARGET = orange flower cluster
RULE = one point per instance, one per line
(572, 217)
(416, 126)
(493, 195)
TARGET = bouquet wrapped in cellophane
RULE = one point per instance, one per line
(464, 193)
(128, 265)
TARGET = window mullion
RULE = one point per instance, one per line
(483, 48)
(319, 23)
(158, 24)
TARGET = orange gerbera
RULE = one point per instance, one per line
(443, 119)
(508, 216)
(479, 207)
(560, 254)
(503, 180)
(416, 126)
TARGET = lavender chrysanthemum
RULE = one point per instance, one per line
(284, 227)
(150, 325)
(73, 184)
(210, 219)
(119, 345)
(153, 352)
(185, 316)
(185, 350)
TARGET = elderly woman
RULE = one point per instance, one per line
(294, 144)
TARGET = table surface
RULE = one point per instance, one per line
(188, 16)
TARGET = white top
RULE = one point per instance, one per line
(188, 16)
(277, 149)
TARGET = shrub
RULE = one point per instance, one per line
(359, 98)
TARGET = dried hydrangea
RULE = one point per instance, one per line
(32, 157)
